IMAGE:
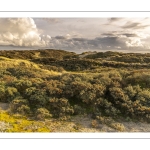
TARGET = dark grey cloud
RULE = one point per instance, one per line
(110, 42)
(108, 34)
(113, 40)
(129, 35)
(116, 34)
(79, 39)
(111, 21)
(114, 19)
(94, 43)
(134, 25)
(98, 43)
(60, 37)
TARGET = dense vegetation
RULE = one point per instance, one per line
(55, 83)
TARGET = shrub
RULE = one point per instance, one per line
(7, 94)
(2, 95)
(11, 93)
(60, 107)
(42, 113)
(94, 123)
(20, 105)
(23, 109)
(37, 97)
(22, 85)
(78, 110)
(117, 126)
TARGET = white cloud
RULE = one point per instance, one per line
(21, 32)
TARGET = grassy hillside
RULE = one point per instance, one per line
(47, 84)
(31, 54)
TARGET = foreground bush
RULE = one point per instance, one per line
(42, 114)
(20, 106)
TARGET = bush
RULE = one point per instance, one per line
(11, 93)
(78, 110)
(20, 105)
(94, 123)
(118, 126)
(37, 97)
(60, 107)
(42, 113)
(23, 109)
(22, 85)
(7, 94)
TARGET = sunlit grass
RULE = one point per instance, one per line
(18, 123)
(14, 63)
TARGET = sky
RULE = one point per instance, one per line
(76, 34)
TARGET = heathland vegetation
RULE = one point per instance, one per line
(43, 84)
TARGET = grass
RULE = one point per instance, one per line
(9, 63)
(14, 63)
(18, 123)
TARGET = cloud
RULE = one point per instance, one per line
(100, 43)
(108, 34)
(60, 37)
(134, 25)
(125, 40)
(119, 34)
(72, 35)
(114, 19)
(113, 40)
(130, 34)
(21, 32)
(79, 39)
(52, 20)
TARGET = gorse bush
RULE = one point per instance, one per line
(20, 105)
(60, 107)
(42, 113)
